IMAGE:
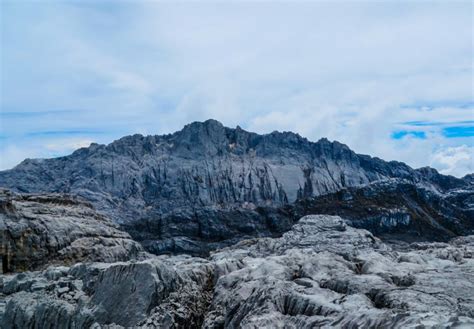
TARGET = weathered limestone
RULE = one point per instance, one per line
(322, 273)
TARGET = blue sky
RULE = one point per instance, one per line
(390, 79)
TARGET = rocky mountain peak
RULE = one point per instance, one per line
(209, 124)
(199, 139)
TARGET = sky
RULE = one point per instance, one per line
(392, 79)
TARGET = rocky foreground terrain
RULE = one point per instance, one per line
(321, 273)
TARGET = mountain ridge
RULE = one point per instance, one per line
(208, 182)
(194, 127)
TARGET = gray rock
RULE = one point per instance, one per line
(397, 209)
(322, 273)
(123, 294)
(38, 230)
(325, 274)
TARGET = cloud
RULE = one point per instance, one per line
(356, 72)
(11, 155)
(68, 145)
(52, 146)
(454, 160)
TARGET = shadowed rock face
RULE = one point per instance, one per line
(320, 273)
(37, 230)
(205, 186)
(394, 209)
(398, 209)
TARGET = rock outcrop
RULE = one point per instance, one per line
(396, 209)
(39, 230)
(322, 273)
(212, 178)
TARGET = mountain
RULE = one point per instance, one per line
(207, 185)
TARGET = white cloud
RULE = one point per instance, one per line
(12, 155)
(67, 145)
(456, 161)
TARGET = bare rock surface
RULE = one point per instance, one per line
(38, 230)
(321, 273)
(122, 294)
(397, 209)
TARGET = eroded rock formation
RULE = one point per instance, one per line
(38, 230)
(320, 273)
(397, 209)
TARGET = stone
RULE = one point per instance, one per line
(39, 230)
(62, 290)
(321, 273)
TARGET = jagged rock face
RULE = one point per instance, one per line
(398, 209)
(395, 209)
(176, 290)
(37, 230)
(207, 187)
(391, 209)
(207, 229)
(322, 273)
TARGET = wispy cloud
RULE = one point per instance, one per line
(455, 160)
(434, 123)
(63, 133)
(29, 114)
